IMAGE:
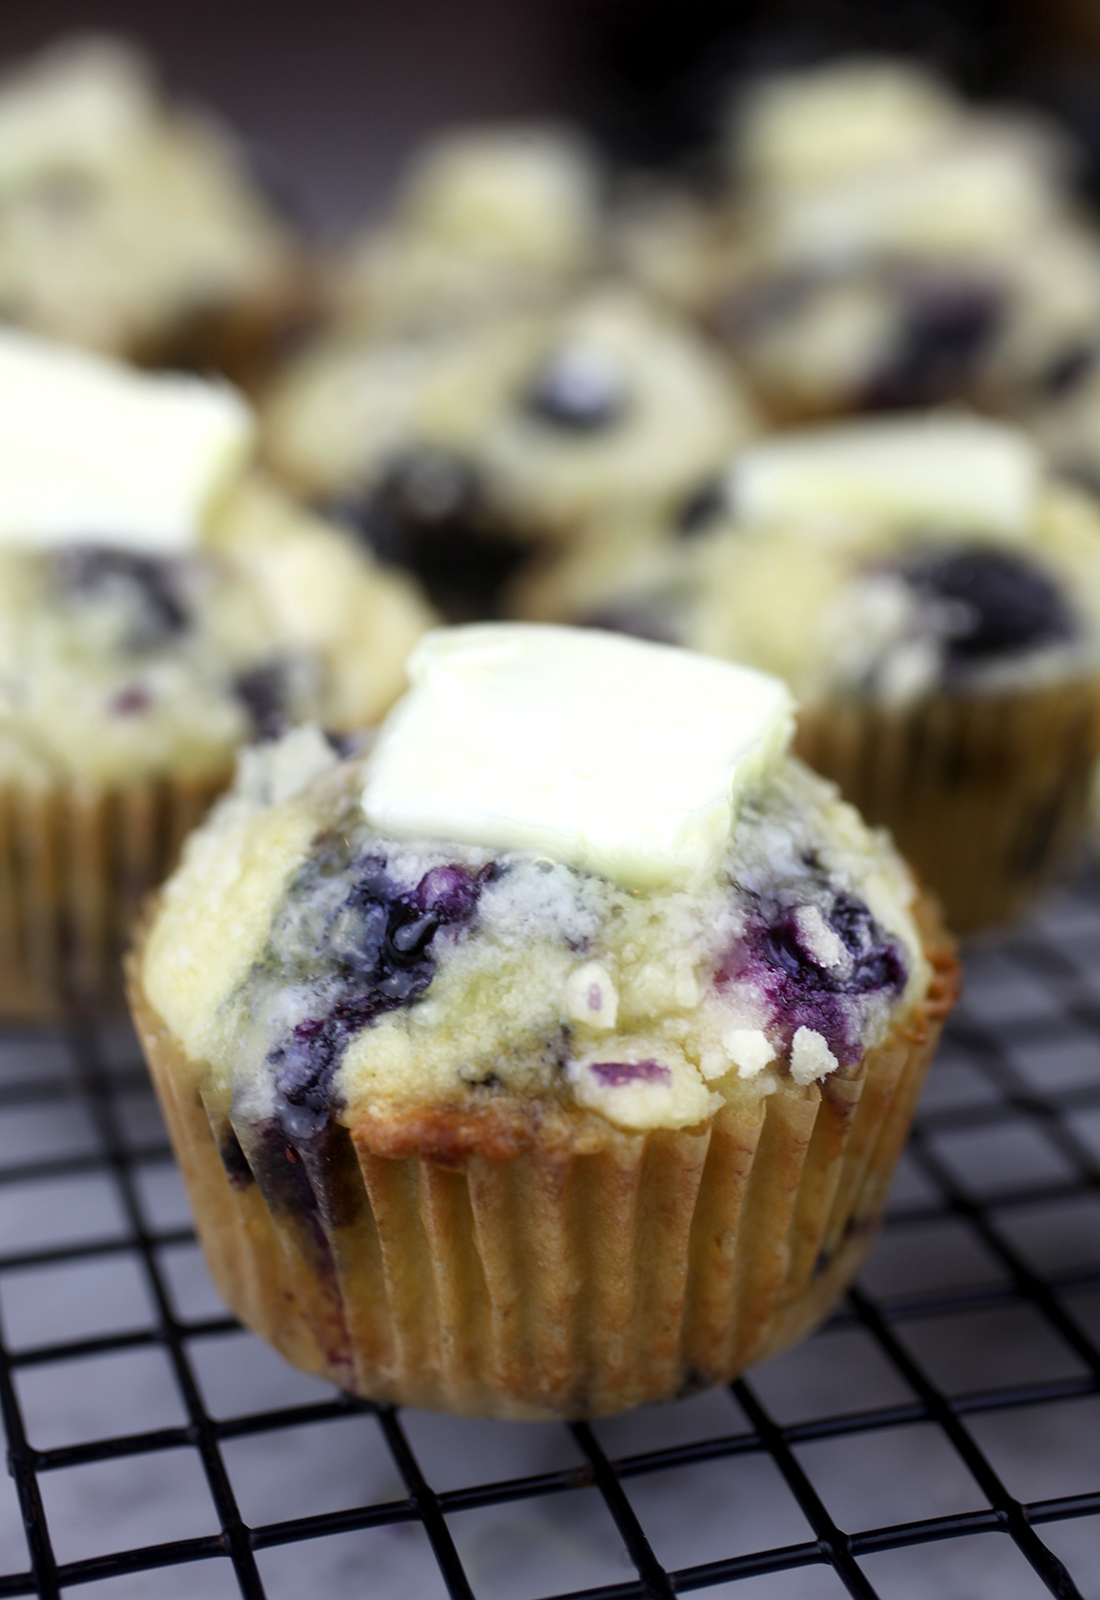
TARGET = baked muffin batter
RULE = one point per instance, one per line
(315, 962)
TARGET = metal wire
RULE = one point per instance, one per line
(1058, 957)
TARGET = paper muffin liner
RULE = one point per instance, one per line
(532, 1261)
(76, 864)
(987, 795)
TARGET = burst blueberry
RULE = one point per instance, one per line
(1001, 602)
(946, 331)
(702, 508)
(804, 988)
(264, 691)
(578, 391)
(428, 513)
(615, 1074)
(148, 587)
(378, 952)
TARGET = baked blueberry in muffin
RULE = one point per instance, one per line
(535, 1031)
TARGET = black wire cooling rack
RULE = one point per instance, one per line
(940, 1436)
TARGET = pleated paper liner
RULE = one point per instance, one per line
(987, 795)
(76, 864)
(533, 1261)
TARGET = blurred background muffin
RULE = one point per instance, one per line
(457, 451)
(656, 1022)
(130, 224)
(934, 601)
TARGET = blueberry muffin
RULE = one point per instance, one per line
(528, 1089)
(486, 219)
(998, 327)
(934, 602)
(964, 276)
(883, 246)
(131, 225)
(461, 451)
(158, 608)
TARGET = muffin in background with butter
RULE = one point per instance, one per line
(554, 1055)
(459, 452)
(881, 244)
(159, 606)
(131, 225)
(932, 597)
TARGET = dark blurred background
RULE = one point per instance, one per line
(332, 93)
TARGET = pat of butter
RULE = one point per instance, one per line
(621, 757)
(983, 195)
(92, 451)
(812, 126)
(964, 474)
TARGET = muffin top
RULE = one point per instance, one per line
(549, 417)
(123, 218)
(886, 559)
(895, 247)
(158, 606)
(575, 872)
(485, 218)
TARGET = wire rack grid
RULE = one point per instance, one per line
(940, 1435)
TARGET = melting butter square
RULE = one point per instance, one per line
(93, 451)
(962, 473)
(618, 756)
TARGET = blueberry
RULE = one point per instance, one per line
(345, 743)
(234, 1160)
(617, 1073)
(875, 960)
(947, 328)
(702, 508)
(131, 701)
(420, 493)
(304, 1064)
(1003, 602)
(147, 587)
(410, 938)
(803, 991)
(430, 487)
(1069, 370)
(579, 391)
(264, 693)
(401, 986)
(428, 512)
(451, 893)
(376, 952)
